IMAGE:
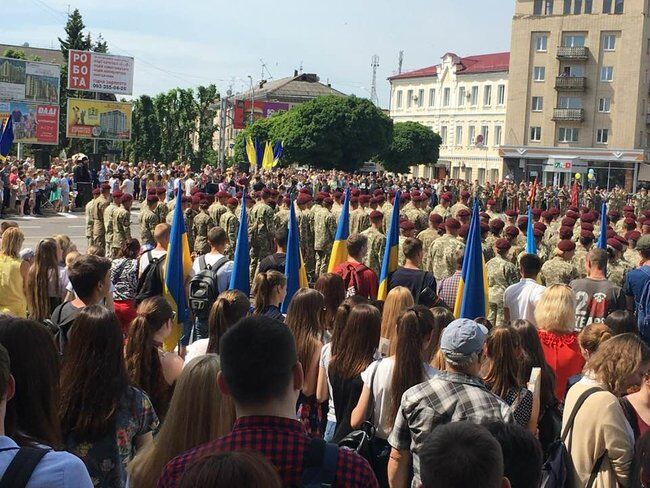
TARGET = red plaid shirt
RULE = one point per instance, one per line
(283, 442)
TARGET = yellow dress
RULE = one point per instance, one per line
(12, 296)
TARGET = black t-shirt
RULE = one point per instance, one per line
(411, 279)
(273, 262)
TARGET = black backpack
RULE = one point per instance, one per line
(150, 283)
(319, 464)
(60, 324)
(204, 287)
(22, 467)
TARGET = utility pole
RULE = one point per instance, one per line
(373, 90)
(400, 60)
(252, 119)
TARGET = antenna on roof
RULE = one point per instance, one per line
(373, 89)
(265, 68)
(400, 60)
(300, 69)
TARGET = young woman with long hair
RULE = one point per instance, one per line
(104, 419)
(502, 375)
(13, 274)
(149, 367)
(442, 317)
(358, 344)
(124, 276)
(229, 307)
(307, 329)
(46, 281)
(332, 287)
(393, 376)
(397, 300)
(198, 413)
(269, 290)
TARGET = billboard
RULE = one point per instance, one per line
(97, 72)
(33, 123)
(261, 110)
(22, 80)
(98, 119)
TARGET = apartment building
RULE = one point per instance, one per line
(464, 100)
(578, 92)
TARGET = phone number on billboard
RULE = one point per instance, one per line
(100, 86)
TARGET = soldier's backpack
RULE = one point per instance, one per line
(352, 279)
(204, 287)
(150, 283)
(643, 309)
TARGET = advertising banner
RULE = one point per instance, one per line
(33, 123)
(261, 110)
(98, 119)
(22, 80)
(97, 72)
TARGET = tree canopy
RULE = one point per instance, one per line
(413, 143)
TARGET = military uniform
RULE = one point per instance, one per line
(616, 271)
(456, 207)
(201, 224)
(99, 231)
(633, 257)
(261, 231)
(230, 223)
(216, 210)
(442, 211)
(501, 273)
(428, 237)
(162, 209)
(376, 247)
(580, 260)
(324, 234)
(148, 222)
(90, 224)
(306, 229)
(558, 270)
(108, 226)
(121, 229)
(442, 254)
(282, 219)
(359, 221)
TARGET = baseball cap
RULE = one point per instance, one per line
(462, 337)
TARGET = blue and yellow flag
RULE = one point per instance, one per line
(339, 249)
(267, 160)
(240, 278)
(177, 269)
(531, 247)
(389, 263)
(294, 267)
(602, 238)
(278, 151)
(250, 152)
(6, 137)
(472, 297)
(259, 151)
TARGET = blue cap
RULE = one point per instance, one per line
(463, 337)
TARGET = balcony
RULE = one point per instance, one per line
(573, 53)
(569, 114)
(571, 83)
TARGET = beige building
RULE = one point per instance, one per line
(578, 92)
(463, 100)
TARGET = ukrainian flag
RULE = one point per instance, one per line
(531, 247)
(472, 297)
(602, 238)
(6, 138)
(267, 160)
(294, 267)
(251, 154)
(339, 249)
(389, 263)
(240, 279)
(177, 270)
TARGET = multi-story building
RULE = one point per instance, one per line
(464, 101)
(578, 92)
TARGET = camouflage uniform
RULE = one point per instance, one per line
(501, 273)
(616, 271)
(282, 219)
(162, 209)
(359, 221)
(428, 237)
(306, 228)
(216, 210)
(558, 270)
(99, 232)
(90, 224)
(376, 246)
(230, 223)
(579, 260)
(121, 229)
(442, 211)
(201, 224)
(261, 231)
(324, 234)
(148, 222)
(401, 258)
(442, 254)
(456, 207)
(633, 257)
(108, 224)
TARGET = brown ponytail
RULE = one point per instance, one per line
(341, 318)
(263, 286)
(229, 307)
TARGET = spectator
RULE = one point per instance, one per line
(453, 395)
(357, 277)
(66, 245)
(422, 284)
(198, 413)
(269, 290)
(599, 440)
(124, 277)
(621, 322)
(277, 260)
(245, 469)
(161, 236)
(13, 274)
(333, 289)
(641, 474)
(637, 408)
(555, 317)
(230, 306)
(385, 381)
(595, 296)
(46, 281)
(246, 350)
(100, 411)
(522, 454)
(520, 300)
(448, 287)
(636, 279)
(397, 301)
(149, 367)
(503, 377)
(442, 317)
(96, 251)
(458, 454)
(54, 469)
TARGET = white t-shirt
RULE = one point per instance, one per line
(324, 362)
(127, 186)
(521, 299)
(196, 349)
(189, 185)
(381, 391)
(144, 259)
(223, 274)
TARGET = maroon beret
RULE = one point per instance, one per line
(328, 201)
(572, 214)
(633, 235)
(546, 215)
(537, 212)
(355, 192)
(587, 234)
(512, 231)
(435, 218)
(463, 212)
(614, 243)
(484, 227)
(106, 186)
(445, 196)
(502, 244)
(540, 226)
(117, 194)
(511, 213)
(152, 198)
(378, 192)
(196, 199)
(186, 199)
(497, 224)
(465, 194)
(611, 233)
(566, 245)
(97, 191)
(232, 202)
(587, 217)
(621, 239)
(376, 214)
(286, 200)
(573, 208)
(354, 199)
(222, 194)
(613, 214)
(161, 191)
(628, 208)
(568, 222)
(364, 199)
(452, 223)
(566, 232)
(484, 215)
(464, 230)
(538, 233)
(491, 202)
(587, 226)
(406, 225)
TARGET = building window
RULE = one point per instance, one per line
(588, 6)
(487, 95)
(541, 43)
(574, 40)
(459, 135)
(570, 102)
(474, 98)
(609, 42)
(443, 134)
(573, 71)
(409, 98)
(432, 97)
(566, 134)
(485, 132)
(567, 7)
(607, 73)
(472, 135)
(538, 104)
(607, 6)
(399, 99)
(501, 95)
(445, 97)
(604, 105)
(497, 135)
(536, 134)
(420, 97)
(461, 96)
(539, 73)
(618, 6)
(602, 136)
(543, 7)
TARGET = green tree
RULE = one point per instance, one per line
(413, 143)
(206, 98)
(14, 54)
(100, 45)
(145, 140)
(264, 130)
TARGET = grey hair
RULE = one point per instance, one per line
(460, 361)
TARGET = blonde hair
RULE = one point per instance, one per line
(12, 241)
(65, 243)
(397, 301)
(593, 335)
(70, 257)
(555, 311)
(198, 413)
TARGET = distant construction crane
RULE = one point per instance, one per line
(373, 89)
(400, 60)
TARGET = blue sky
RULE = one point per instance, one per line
(193, 42)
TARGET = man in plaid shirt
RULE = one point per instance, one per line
(261, 372)
(451, 396)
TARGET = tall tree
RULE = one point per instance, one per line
(206, 98)
(413, 143)
(145, 140)
(14, 54)
(100, 45)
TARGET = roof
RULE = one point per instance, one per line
(46, 55)
(297, 88)
(482, 63)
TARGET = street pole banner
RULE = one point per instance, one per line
(98, 72)
(98, 119)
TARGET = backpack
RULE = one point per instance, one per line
(351, 278)
(150, 283)
(319, 464)
(643, 309)
(61, 323)
(22, 466)
(555, 471)
(204, 287)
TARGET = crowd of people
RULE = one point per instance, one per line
(101, 386)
